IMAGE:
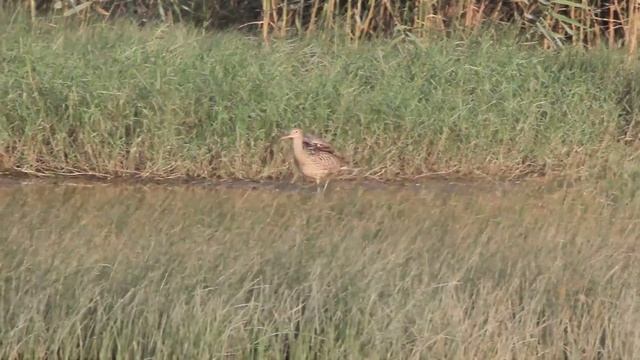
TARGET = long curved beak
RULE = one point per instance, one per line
(286, 137)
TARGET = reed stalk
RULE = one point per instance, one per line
(554, 22)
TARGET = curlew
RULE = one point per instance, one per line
(314, 157)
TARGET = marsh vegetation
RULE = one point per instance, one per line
(165, 102)
(544, 268)
(448, 271)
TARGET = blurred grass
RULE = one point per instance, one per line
(171, 101)
(190, 272)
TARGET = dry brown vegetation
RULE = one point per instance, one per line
(556, 22)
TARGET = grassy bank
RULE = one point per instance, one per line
(116, 100)
(159, 272)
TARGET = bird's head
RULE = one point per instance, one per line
(294, 133)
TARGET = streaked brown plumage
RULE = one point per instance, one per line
(314, 157)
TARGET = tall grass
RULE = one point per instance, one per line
(174, 102)
(157, 272)
(555, 22)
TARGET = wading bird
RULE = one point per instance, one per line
(314, 157)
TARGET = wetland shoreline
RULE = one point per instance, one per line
(11, 180)
(199, 105)
(521, 242)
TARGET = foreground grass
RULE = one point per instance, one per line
(132, 272)
(116, 100)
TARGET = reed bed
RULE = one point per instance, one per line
(554, 22)
(171, 272)
(164, 102)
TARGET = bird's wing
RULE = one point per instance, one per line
(314, 143)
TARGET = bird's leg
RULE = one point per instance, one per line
(326, 183)
(317, 185)
(295, 177)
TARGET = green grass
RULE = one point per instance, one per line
(115, 100)
(195, 272)
(190, 272)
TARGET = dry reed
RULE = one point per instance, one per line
(555, 23)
